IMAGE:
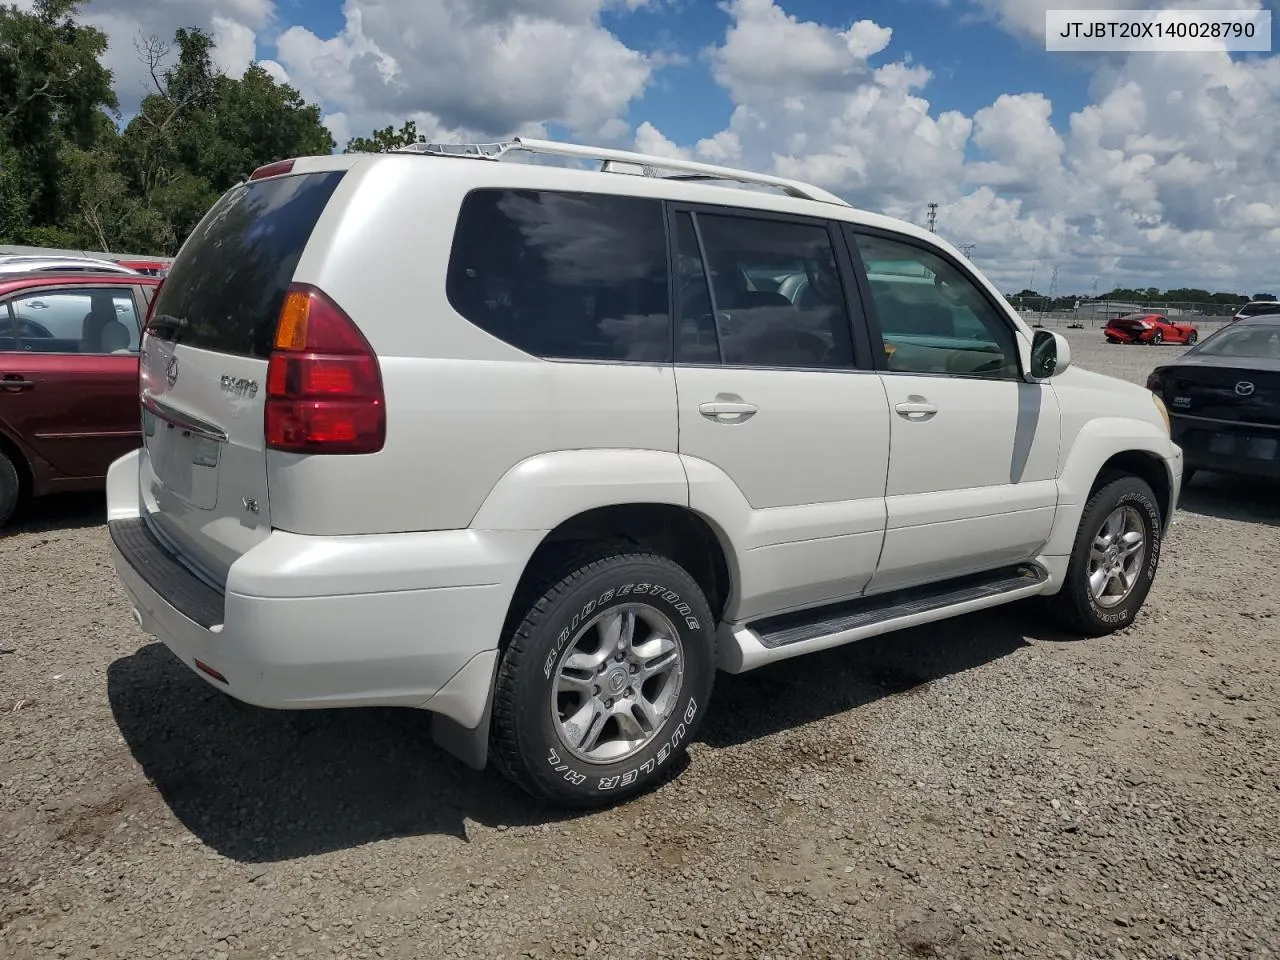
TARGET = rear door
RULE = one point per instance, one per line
(772, 393)
(73, 366)
(204, 367)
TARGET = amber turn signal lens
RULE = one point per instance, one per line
(291, 331)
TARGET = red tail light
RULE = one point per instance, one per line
(272, 169)
(324, 387)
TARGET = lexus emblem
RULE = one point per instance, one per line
(171, 372)
(1244, 388)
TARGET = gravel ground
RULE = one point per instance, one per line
(980, 788)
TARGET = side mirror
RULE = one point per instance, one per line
(1050, 355)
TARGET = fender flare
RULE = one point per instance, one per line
(1097, 442)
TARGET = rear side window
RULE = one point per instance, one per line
(225, 290)
(564, 275)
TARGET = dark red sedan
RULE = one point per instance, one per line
(68, 379)
(1151, 328)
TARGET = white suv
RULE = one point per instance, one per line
(538, 449)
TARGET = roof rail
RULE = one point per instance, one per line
(616, 161)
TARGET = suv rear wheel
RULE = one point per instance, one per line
(1114, 560)
(605, 681)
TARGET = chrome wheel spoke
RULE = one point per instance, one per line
(585, 726)
(631, 726)
(1130, 543)
(655, 656)
(617, 631)
(1098, 581)
(584, 664)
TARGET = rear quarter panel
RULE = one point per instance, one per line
(463, 408)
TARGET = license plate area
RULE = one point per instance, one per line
(1244, 446)
(184, 458)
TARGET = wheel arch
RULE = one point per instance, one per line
(673, 531)
(1109, 446)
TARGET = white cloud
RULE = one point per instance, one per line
(235, 25)
(486, 65)
(236, 45)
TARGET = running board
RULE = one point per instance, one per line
(747, 646)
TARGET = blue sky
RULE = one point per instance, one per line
(1142, 169)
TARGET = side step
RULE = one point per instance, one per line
(754, 644)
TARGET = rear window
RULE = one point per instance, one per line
(1258, 309)
(572, 276)
(225, 290)
(1261, 342)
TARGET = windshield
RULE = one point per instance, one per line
(1254, 342)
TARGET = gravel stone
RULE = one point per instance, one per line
(980, 788)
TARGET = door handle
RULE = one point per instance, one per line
(15, 384)
(728, 411)
(916, 409)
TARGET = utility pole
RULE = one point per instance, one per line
(933, 217)
(1032, 284)
(1053, 284)
(966, 249)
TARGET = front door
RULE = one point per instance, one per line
(73, 370)
(784, 435)
(972, 473)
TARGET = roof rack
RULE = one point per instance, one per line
(618, 161)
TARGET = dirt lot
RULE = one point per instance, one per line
(980, 788)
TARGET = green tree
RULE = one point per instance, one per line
(200, 132)
(388, 138)
(54, 94)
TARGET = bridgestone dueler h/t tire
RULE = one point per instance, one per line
(1074, 606)
(526, 742)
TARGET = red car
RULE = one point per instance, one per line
(1149, 328)
(68, 379)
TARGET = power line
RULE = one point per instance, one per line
(966, 249)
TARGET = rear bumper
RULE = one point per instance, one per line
(301, 624)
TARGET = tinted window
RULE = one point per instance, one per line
(933, 318)
(100, 320)
(696, 341)
(564, 275)
(225, 290)
(1258, 309)
(778, 297)
(1256, 342)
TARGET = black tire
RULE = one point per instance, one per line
(1075, 606)
(1157, 338)
(526, 740)
(10, 488)
(1192, 337)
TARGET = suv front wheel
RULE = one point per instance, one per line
(605, 681)
(1114, 560)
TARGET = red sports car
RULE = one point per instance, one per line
(1149, 328)
(68, 379)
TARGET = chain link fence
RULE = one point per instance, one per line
(1096, 313)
